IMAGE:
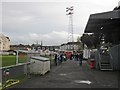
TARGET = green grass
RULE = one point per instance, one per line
(8, 60)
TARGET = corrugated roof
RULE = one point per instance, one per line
(103, 22)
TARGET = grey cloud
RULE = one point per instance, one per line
(25, 22)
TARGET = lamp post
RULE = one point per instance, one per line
(69, 12)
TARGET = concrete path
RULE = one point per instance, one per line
(70, 75)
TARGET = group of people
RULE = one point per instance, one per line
(77, 57)
(60, 57)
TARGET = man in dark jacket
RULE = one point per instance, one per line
(80, 58)
(56, 59)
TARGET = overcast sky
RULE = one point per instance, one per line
(28, 21)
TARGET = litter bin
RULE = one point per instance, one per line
(92, 63)
(41, 65)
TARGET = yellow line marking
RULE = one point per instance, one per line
(8, 85)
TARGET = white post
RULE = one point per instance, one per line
(17, 58)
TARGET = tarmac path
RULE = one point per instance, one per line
(70, 75)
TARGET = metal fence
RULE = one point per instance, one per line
(97, 58)
(15, 71)
(115, 54)
(18, 70)
(114, 57)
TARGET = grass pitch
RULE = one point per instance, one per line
(8, 60)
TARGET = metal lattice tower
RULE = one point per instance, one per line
(69, 11)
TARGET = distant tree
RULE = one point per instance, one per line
(21, 45)
(95, 40)
(80, 43)
(78, 39)
(90, 40)
(117, 8)
(86, 40)
(33, 45)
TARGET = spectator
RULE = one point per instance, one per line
(80, 58)
(64, 57)
(76, 57)
(71, 56)
(61, 58)
(56, 59)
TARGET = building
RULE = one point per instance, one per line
(71, 46)
(50, 48)
(105, 27)
(35, 47)
(107, 24)
(20, 47)
(4, 43)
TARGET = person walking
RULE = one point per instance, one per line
(56, 59)
(76, 57)
(71, 56)
(64, 57)
(80, 58)
(61, 58)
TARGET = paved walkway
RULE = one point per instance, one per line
(70, 75)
